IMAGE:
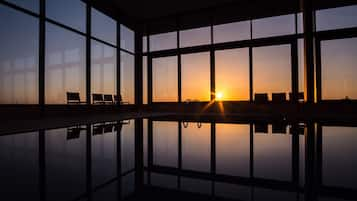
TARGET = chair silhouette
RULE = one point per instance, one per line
(278, 97)
(108, 98)
(261, 98)
(74, 98)
(98, 98)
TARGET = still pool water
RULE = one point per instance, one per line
(158, 159)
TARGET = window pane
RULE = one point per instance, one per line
(272, 154)
(338, 69)
(164, 79)
(272, 69)
(165, 143)
(300, 23)
(196, 146)
(65, 69)
(301, 61)
(127, 38)
(274, 26)
(336, 18)
(195, 79)
(104, 27)
(68, 12)
(231, 32)
(145, 44)
(193, 37)
(103, 73)
(145, 80)
(32, 5)
(232, 74)
(127, 88)
(233, 149)
(163, 41)
(18, 57)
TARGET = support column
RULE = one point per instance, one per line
(88, 54)
(138, 69)
(42, 51)
(309, 49)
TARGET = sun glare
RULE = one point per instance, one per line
(219, 96)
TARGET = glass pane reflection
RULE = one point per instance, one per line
(65, 69)
(164, 79)
(18, 63)
(104, 69)
(196, 77)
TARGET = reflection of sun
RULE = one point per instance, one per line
(219, 96)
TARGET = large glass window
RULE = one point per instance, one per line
(164, 79)
(145, 44)
(232, 74)
(301, 63)
(336, 18)
(127, 84)
(194, 37)
(272, 69)
(195, 80)
(104, 27)
(68, 12)
(165, 143)
(231, 32)
(145, 80)
(103, 72)
(274, 26)
(18, 57)
(65, 69)
(32, 5)
(163, 41)
(338, 69)
(127, 38)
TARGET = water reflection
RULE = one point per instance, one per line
(188, 159)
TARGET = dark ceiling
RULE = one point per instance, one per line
(162, 14)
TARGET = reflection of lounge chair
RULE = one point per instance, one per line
(261, 128)
(98, 129)
(97, 98)
(74, 98)
(74, 132)
(108, 128)
(279, 128)
(261, 98)
(278, 97)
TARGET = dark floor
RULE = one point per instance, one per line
(186, 157)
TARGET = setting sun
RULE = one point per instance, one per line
(219, 96)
